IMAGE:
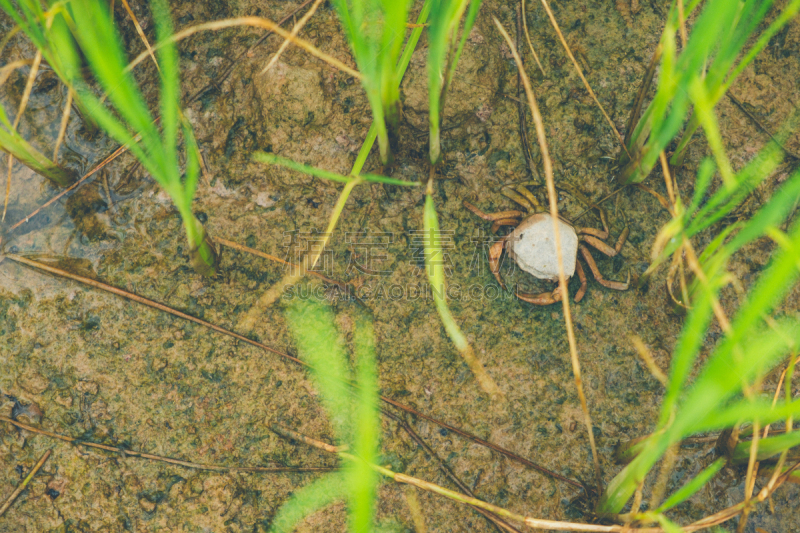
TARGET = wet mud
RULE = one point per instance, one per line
(90, 365)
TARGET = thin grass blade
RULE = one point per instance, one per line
(317, 495)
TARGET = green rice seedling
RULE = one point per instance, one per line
(368, 143)
(16, 146)
(83, 29)
(375, 69)
(355, 424)
(699, 76)
(446, 17)
(375, 30)
(13, 143)
(707, 209)
(721, 396)
(434, 267)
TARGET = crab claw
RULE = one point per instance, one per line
(542, 298)
(494, 260)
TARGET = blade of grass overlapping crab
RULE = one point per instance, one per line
(748, 352)
(562, 280)
(92, 27)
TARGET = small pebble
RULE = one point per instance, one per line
(147, 505)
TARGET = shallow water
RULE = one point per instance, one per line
(104, 369)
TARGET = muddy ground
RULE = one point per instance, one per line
(107, 370)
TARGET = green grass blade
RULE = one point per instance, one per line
(469, 22)
(786, 15)
(685, 355)
(363, 478)
(668, 525)
(320, 346)
(744, 410)
(402, 65)
(701, 184)
(443, 13)
(366, 147)
(413, 39)
(317, 495)
(94, 30)
(273, 159)
(31, 21)
(724, 200)
(26, 153)
(732, 366)
(434, 266)
(767, 447)
(718, 36)
(170, 88)
(771, 214)
(326, 174)
(192, 161)
(690, 488)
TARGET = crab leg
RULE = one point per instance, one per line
(495, 251)
(522, 196)
(582, 277)
(616, 285)
(547, 298)
(600, 234)
(542, 298)
(590, 235)
(491, 217)
(504, 222)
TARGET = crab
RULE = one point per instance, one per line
(532, 246)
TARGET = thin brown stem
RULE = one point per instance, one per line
(25, 482)
(583, 78)
(521, 112)
(133, 453)
(562, 280)
(763, 128)
(119, 151)
(295, 30)
(140, 31)
(682, 23)
(253, 251)
(456, 496)
(257, 22)
(62, 129)
(647, 80)
(528, 37)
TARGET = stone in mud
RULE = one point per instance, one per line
(292, 94)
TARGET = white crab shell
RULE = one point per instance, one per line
(533, 246)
